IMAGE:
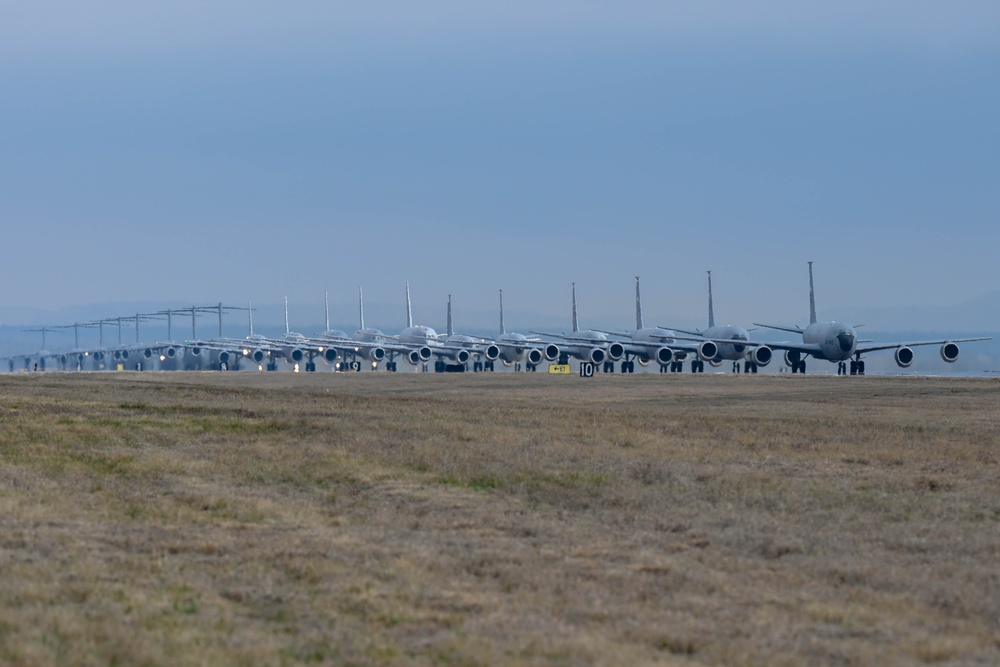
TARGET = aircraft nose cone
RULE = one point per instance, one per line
(846, 341)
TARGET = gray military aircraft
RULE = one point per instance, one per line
(733, 342)
(590, 345)
(838, 342)
(515, 348)
(389, 344)
(659, 344)
(354, 352)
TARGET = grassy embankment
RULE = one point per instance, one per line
(170, 519)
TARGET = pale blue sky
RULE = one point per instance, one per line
(198, 152)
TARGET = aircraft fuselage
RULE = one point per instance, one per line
(837, 341)
(730, 351)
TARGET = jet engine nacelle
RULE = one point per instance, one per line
(225, 357)
(595, 355)
(492, 352)
(196, 352)
(534, 357)
(374, 354)
(121, 355)
(173, 352)
(714, 362)
(99, 356)
(708, 351)
(257, 355)
(760, 355)
(330, 355)
(149, 353)
(413, 356)
(904, 357)
(551, 351)
(294, 355)
(792, 358)
(949, 352)
(616, 351)
(664, 356)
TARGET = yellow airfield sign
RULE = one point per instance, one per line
(560, 369)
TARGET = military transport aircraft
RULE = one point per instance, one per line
(590, 345)
(732, 341)
(647, 344)
(838, 342)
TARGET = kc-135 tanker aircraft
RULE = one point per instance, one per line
(336, 350)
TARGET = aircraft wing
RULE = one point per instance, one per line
(571, 339)
(796, 330)
(689, 333)
(623, 334)
(892, 346)
(804, 348)
(679, 344)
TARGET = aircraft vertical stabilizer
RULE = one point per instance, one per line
(711, 310)
(502, 329)
(409, 312)
(638, 306)
(450, 327)
(326, 308)
(286, 316)
(250, 317)
(361, 308)
(812, 297)
(576, 323)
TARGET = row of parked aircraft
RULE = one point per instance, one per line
(668, 348)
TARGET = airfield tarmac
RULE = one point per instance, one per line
(277, 518)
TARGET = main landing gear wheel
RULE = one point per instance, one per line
(609, 367)
(799, 367)
(749, 367)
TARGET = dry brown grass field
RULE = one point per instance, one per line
(524, 519)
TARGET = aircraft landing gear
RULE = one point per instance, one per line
(799, 367)
(749, 367)
(628, 367)
(390, 367)
(609, 367)
(857, 367)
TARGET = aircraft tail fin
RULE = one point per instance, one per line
(286, 315)
(711, 309)
(250, 316)
(409, 311)
(576, 324)
(502, 329)
(812, 297)
(638, 306)
(450, 326)
(326, 308)
(361, 308)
